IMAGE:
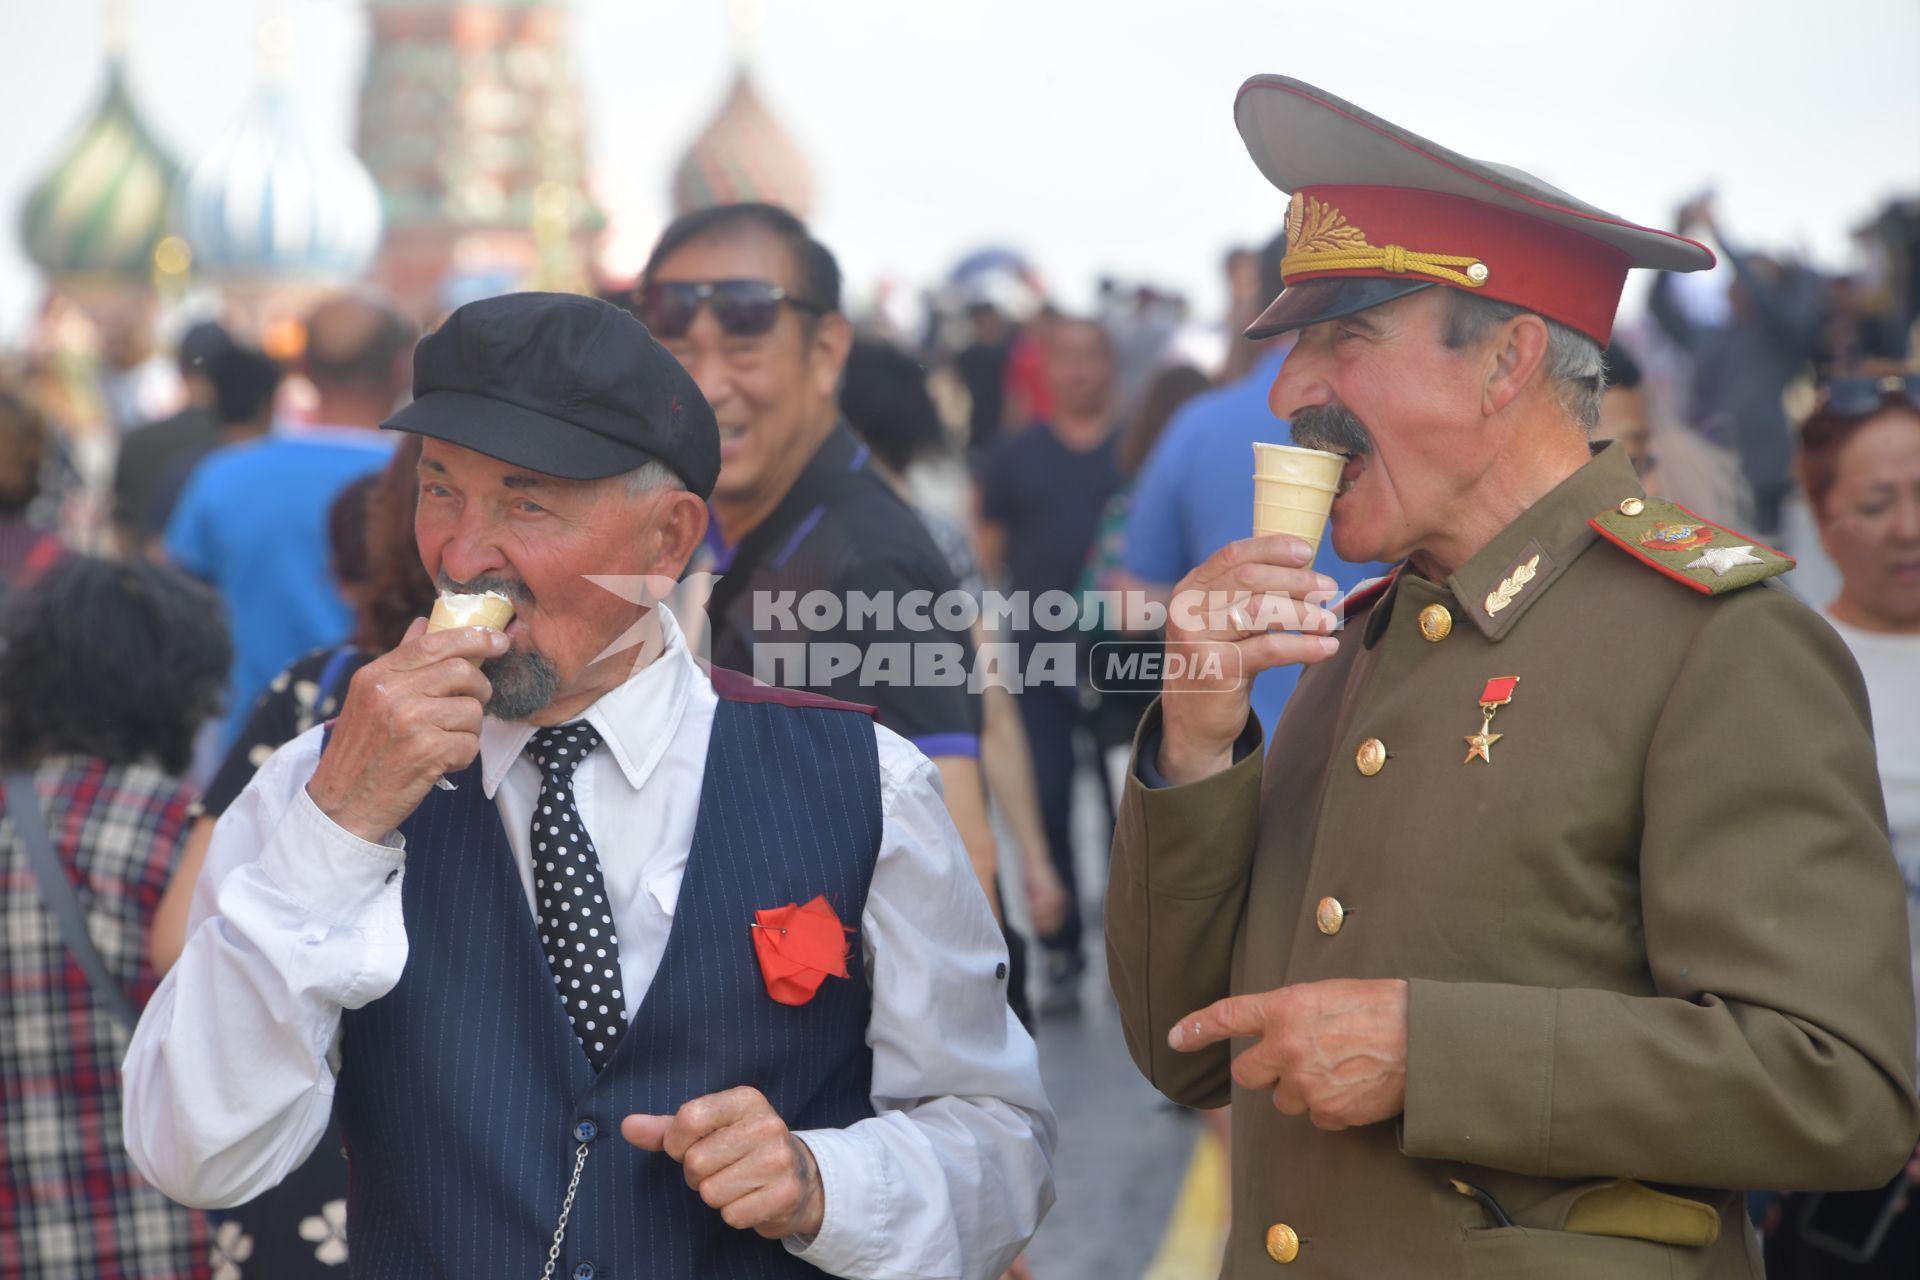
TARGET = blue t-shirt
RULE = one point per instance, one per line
(1195, 495)
(252, 521)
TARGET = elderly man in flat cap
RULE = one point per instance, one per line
(610, 966)
(1560, 908)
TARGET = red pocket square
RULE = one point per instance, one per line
(798, 947)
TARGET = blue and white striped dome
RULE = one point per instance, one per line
(272, 199)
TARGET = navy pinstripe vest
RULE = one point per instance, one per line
(463, 1089)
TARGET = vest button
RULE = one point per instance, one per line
(583, 1272)
(586, 1131)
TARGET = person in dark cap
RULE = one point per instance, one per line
(161, 450)
(1560, 906)
(604, 963)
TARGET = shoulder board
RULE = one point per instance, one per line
(1365, 596)
(1690, 549)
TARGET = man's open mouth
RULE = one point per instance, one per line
(1350, 474)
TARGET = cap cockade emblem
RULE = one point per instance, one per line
(1314, 226)
(1319, 238)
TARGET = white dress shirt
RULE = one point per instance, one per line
(229, 1079)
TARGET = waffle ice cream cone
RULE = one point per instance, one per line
(489, 609)
(1293, 490)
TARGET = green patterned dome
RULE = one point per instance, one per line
(104, 206)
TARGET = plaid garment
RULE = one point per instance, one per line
(71, 1204)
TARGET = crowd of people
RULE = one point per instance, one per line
(256, 559)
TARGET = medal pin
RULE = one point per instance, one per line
(1497, 694)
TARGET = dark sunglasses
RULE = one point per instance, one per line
(1858, 397)
(743, 308)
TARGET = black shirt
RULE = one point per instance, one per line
(842, 529)
(306, 693)
(1048, 498)
(153, 462)
(983, 367)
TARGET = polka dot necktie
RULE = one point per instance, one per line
(576, 921)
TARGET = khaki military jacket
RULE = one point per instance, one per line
(1657, 935)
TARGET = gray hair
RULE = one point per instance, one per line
(650, 476)
(1574, 363)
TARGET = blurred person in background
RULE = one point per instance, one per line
(157, 451)
(246, 385)
(1141, 322)
(1741, 369)
(982, 365)
(1244, 304)
(1671, 459)
(1041, 494)
(885, 400)
(252, 520)
(377, 564)
(137, 383)
(106, 670)
(26, 549)
(748, 302)
(1859, 465)
(1026, 385)
(1118, 707)
(1194, 494)
(1871, 309)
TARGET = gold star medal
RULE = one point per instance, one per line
(1497, 694)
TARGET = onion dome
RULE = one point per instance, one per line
(104, 206)
(743, 154)
(272, 199)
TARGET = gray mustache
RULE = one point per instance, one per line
(512, 588)
(1333, 428)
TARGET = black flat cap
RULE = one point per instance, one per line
(561, 384)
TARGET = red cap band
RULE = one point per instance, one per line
(1397, 233)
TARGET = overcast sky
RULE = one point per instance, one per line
(1096, 135)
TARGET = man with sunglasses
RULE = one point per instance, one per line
(749, 302)
(1560, 909)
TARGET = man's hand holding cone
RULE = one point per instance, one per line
(410, 717)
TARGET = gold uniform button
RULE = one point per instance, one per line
(1283, 1242)
(1371, 757)
(1436, 623)
(1632, 507)
(1329, 915)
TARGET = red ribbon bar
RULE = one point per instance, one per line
(1499, 691)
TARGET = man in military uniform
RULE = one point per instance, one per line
(1561, 908)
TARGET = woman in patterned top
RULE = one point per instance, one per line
(298, 1229)
(106, 670)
